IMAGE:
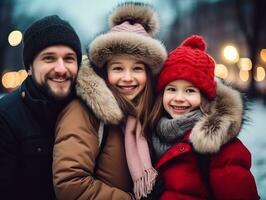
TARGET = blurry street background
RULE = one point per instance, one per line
(235, 31)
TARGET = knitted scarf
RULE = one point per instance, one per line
(170, 131)
(138, 159)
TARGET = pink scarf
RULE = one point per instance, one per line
(138, 159)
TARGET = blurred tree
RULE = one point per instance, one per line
(11, 19)
(6, 10)
(251, 17)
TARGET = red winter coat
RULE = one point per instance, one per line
(230, 161)
(229, 173)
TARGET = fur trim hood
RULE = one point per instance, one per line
(145, 48)
(97, 96)
(222, 122)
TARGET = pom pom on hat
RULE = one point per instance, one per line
(195, 42)
(190, 62)
(135, 12)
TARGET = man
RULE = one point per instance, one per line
(51, 55)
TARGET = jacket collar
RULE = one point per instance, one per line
(92, 89)
(45, 111)
(222, 122)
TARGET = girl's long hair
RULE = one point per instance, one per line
(156, 113)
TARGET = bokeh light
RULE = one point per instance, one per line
(244, 75)
(13, 79)
(15, 38)
(263, 55)
(260, 74)
(230, 53)
(22, 75)
(221, 71)
(244, 64)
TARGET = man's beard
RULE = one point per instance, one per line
(50, 93)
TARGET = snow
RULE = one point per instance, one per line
(253, 135)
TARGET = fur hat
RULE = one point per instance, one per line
(132, 27)
(190, 62)
(49, 31)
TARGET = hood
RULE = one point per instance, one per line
(222, 121)
(93, 90)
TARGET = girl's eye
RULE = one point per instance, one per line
(139, 68)
(117, 68)
(170, 89)
(191, 90)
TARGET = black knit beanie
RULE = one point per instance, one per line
(49, 31)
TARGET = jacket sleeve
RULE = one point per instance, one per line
(230, 175)
(8, 160)
(76, 148)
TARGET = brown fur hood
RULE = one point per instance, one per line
(222, 121)
(95, 93)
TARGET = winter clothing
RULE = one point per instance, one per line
(229, 168)
(229, 173)
(226, 173)
(106, 175)
(80, 171)
(170, 131)
(49, 31)
(138, 158)
(190, 62)
(27, 121)
(132, 28)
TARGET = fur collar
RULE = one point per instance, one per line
(221, 123)
(95, 93)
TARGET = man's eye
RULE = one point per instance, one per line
(70, 59)
(48, 58)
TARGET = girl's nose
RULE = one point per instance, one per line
(179, 96)
(127, 76)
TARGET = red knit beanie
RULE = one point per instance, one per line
(190, 62)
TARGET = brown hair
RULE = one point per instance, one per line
(141, 105)
(156, 113)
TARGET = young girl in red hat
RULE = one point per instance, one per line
(196, 120)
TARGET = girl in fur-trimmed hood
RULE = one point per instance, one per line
(196, 120)
(114, 163)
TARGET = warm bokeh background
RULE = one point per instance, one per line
(234, 29)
